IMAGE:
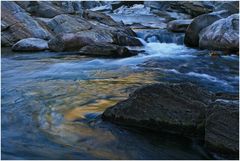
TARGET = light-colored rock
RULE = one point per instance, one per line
(30, 44)
(191, 38)
(221, 35)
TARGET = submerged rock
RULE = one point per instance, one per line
(106, 50)
(221, 35)
(174, 108)
(30, 44)
(178, 25)
(222, 128)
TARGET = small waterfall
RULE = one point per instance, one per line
(161, 35)
(142, 41)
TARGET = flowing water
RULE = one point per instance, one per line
(51, 102)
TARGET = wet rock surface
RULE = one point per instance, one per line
(174, 108)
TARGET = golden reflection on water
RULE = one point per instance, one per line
(74, 99)
(79, 112)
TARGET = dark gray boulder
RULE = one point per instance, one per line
(191, 38)
(17, 25)
(30, 44)
(222, 128)
(174, 108)
(178, 25)
(106, 50)
(221, 35)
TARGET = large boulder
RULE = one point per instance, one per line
(69, 42)
(67, 24)
(106, 50)
(178, 25)
(221, 35)
(192, 33)
(16, 24)
(174, 108)
(222, 128)
(30, 44)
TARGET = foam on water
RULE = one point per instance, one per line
(167, 49)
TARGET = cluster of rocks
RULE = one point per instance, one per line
(207, 24)
(34, 26)
(183, 109)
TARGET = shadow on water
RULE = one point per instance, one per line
(51, 102)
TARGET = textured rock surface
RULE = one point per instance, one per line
(175, 108)
(222, 128)
(178, 25)
(69, 42)
(192, 33)
(17, 24)
(221, 35)
(30, 44)
(67, 24)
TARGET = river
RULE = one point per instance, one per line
(52, 102)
